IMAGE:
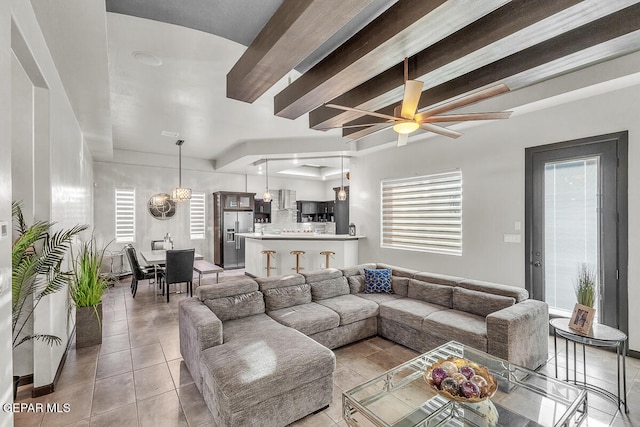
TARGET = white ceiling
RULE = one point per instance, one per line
(123, 104)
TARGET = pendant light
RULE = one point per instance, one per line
(266, 197)
(342, 195)
(180, 194)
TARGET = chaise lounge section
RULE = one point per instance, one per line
(258, 349)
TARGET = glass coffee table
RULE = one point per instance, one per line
(401, 397)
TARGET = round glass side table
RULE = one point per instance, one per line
(598, 336)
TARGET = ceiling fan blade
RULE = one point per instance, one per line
(368, 113)
(412, 92)
(440, 130)
(402, 139)
(469, 116)
(465, 100)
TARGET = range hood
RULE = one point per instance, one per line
(286, 199)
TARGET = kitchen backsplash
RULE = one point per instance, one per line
(286, 219)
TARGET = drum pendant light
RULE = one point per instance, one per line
(180, 194)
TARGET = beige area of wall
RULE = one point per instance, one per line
(149, 180)
(491, 158)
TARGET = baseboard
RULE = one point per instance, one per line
(634, 354)
(25, 379)
(50, 388)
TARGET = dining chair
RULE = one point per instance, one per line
(157, 245)
(138, 272)
(179, 269)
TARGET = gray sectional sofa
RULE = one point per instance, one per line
(258, 349)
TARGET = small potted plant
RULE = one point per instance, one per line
(36, 258)
(86, 290)
(583, 312)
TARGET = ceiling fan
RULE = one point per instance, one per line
(405, 119)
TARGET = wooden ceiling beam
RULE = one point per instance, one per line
(612, 26)
(383, 88)
(402, 30)
(295, 31)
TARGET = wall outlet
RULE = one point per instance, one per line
(512, 238)
(4, 229)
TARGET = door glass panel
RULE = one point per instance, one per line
(571, 229)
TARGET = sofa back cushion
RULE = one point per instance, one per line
(329, 288)
(438, 279)
(357, 270)
(430, 292)
(237, 306)
(400, 285)
(377, 281)
(226, 289)
(398, 271)
(520, 294)
(282, 281)
(480, 303)
(278, 298)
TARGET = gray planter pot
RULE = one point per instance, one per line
(88, 326)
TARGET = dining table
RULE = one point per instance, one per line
(158, 257)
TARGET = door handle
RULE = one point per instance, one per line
(537, 264)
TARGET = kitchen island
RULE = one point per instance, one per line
(344, 246)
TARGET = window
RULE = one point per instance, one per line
(423, 213)
(125, 215)
(196, 216)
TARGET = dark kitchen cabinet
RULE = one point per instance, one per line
(262, 211)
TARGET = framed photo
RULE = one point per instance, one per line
(582, 318)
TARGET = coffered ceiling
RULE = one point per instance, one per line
(241, 80)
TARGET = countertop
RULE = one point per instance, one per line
(299, 236)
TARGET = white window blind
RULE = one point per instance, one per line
(125, 214)
(196, 215)
(423, 213)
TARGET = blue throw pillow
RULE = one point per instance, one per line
(377, 281)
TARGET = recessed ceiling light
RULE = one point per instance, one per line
(147, 58)
(169, 134)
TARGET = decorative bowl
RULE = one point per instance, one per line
(492, 384)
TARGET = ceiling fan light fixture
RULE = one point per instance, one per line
(406, 127)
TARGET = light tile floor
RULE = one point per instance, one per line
(137, 377)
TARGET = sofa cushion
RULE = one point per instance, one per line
(460, 326)
(357, 270)
(329, 288)
(308, 318)
(226, 289)
(430, 292)
(400, 285)
(279, 281)
(265, 360)
(356, 283)
(438, 279)
(237, 306)
(407, 311)
(278, 298)
(379, 298)
(351, 308)
(377, 281)
(520, 294)
(321, 275)
(480, 303)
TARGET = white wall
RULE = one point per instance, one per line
(492, 158)
(61, 187)
(148, 181)
(6, 360)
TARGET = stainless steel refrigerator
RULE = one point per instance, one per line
(235, 222)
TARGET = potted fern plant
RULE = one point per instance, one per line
(86, 290)
(36, 259)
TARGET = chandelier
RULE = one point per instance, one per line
(180, 193)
